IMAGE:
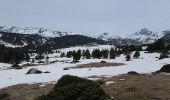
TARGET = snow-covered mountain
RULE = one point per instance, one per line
(40, 31)
(146, 36)
(143, 36)
(19, 37)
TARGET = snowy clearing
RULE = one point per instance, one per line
(146, 64)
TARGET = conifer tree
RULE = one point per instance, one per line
(69, 54)
(87, 54)
(76, 55)
(112, 53)
(105, 53)
(136, 55)
(96, 54)
(128, 57)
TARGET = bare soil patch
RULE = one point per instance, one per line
(98, 65)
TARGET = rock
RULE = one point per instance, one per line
(133, 73)
(46, 72)
(16, 66)
(66, 68)
(34, 71)
(103, 62)
(165, 68)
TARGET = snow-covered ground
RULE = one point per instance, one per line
(146, 64)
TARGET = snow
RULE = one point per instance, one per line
(11, 45)
(29, 30)
(144, 36)
(4, 66)
(109, 82)
(146, 64)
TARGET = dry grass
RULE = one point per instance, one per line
(26, 91)
(125, 87)
(139, 87)
(97, 65)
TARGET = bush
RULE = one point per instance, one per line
(4, 96)
(75, 88)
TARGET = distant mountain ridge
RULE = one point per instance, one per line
(40, 31)
(143, 36)
(34, 40)
(19, 37)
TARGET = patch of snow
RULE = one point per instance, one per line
(146, 65)
(109, 82)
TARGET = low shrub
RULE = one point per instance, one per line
(75, 88)
(4, 96)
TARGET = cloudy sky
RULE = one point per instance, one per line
(87, 16)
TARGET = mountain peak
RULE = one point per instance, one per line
(144, 31)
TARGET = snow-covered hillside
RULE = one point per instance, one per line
(146, 64)
(40, 31)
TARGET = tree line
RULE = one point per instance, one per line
(99, 54)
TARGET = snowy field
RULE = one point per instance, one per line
(146, 64)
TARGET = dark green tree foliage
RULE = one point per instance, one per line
(69, 54)
(157, 46)
(47, 58)
(128, 57)
(75, 88)
(76, 55)
(26, 57)
(39, 56)
(87, 54)
(112, 53)
(105, 53)
(13, 55)
(62, 54)
(96, 53)
(164, 54)
(136, 55)
(84, 53)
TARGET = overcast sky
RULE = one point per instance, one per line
(87, 16)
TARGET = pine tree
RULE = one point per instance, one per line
(87, 54)
(128, 57)
(76, 55)
(96, 53)
(112, 53)
(84, 53)
(62, 54)
(136, 55)
(69, 54)
(47, 59)
(164, 54)
(27, 57)
(105, 53)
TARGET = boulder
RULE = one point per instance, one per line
(132, 73)
(16, 66)
(103, 62)
(34, 71)
(46, 72)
